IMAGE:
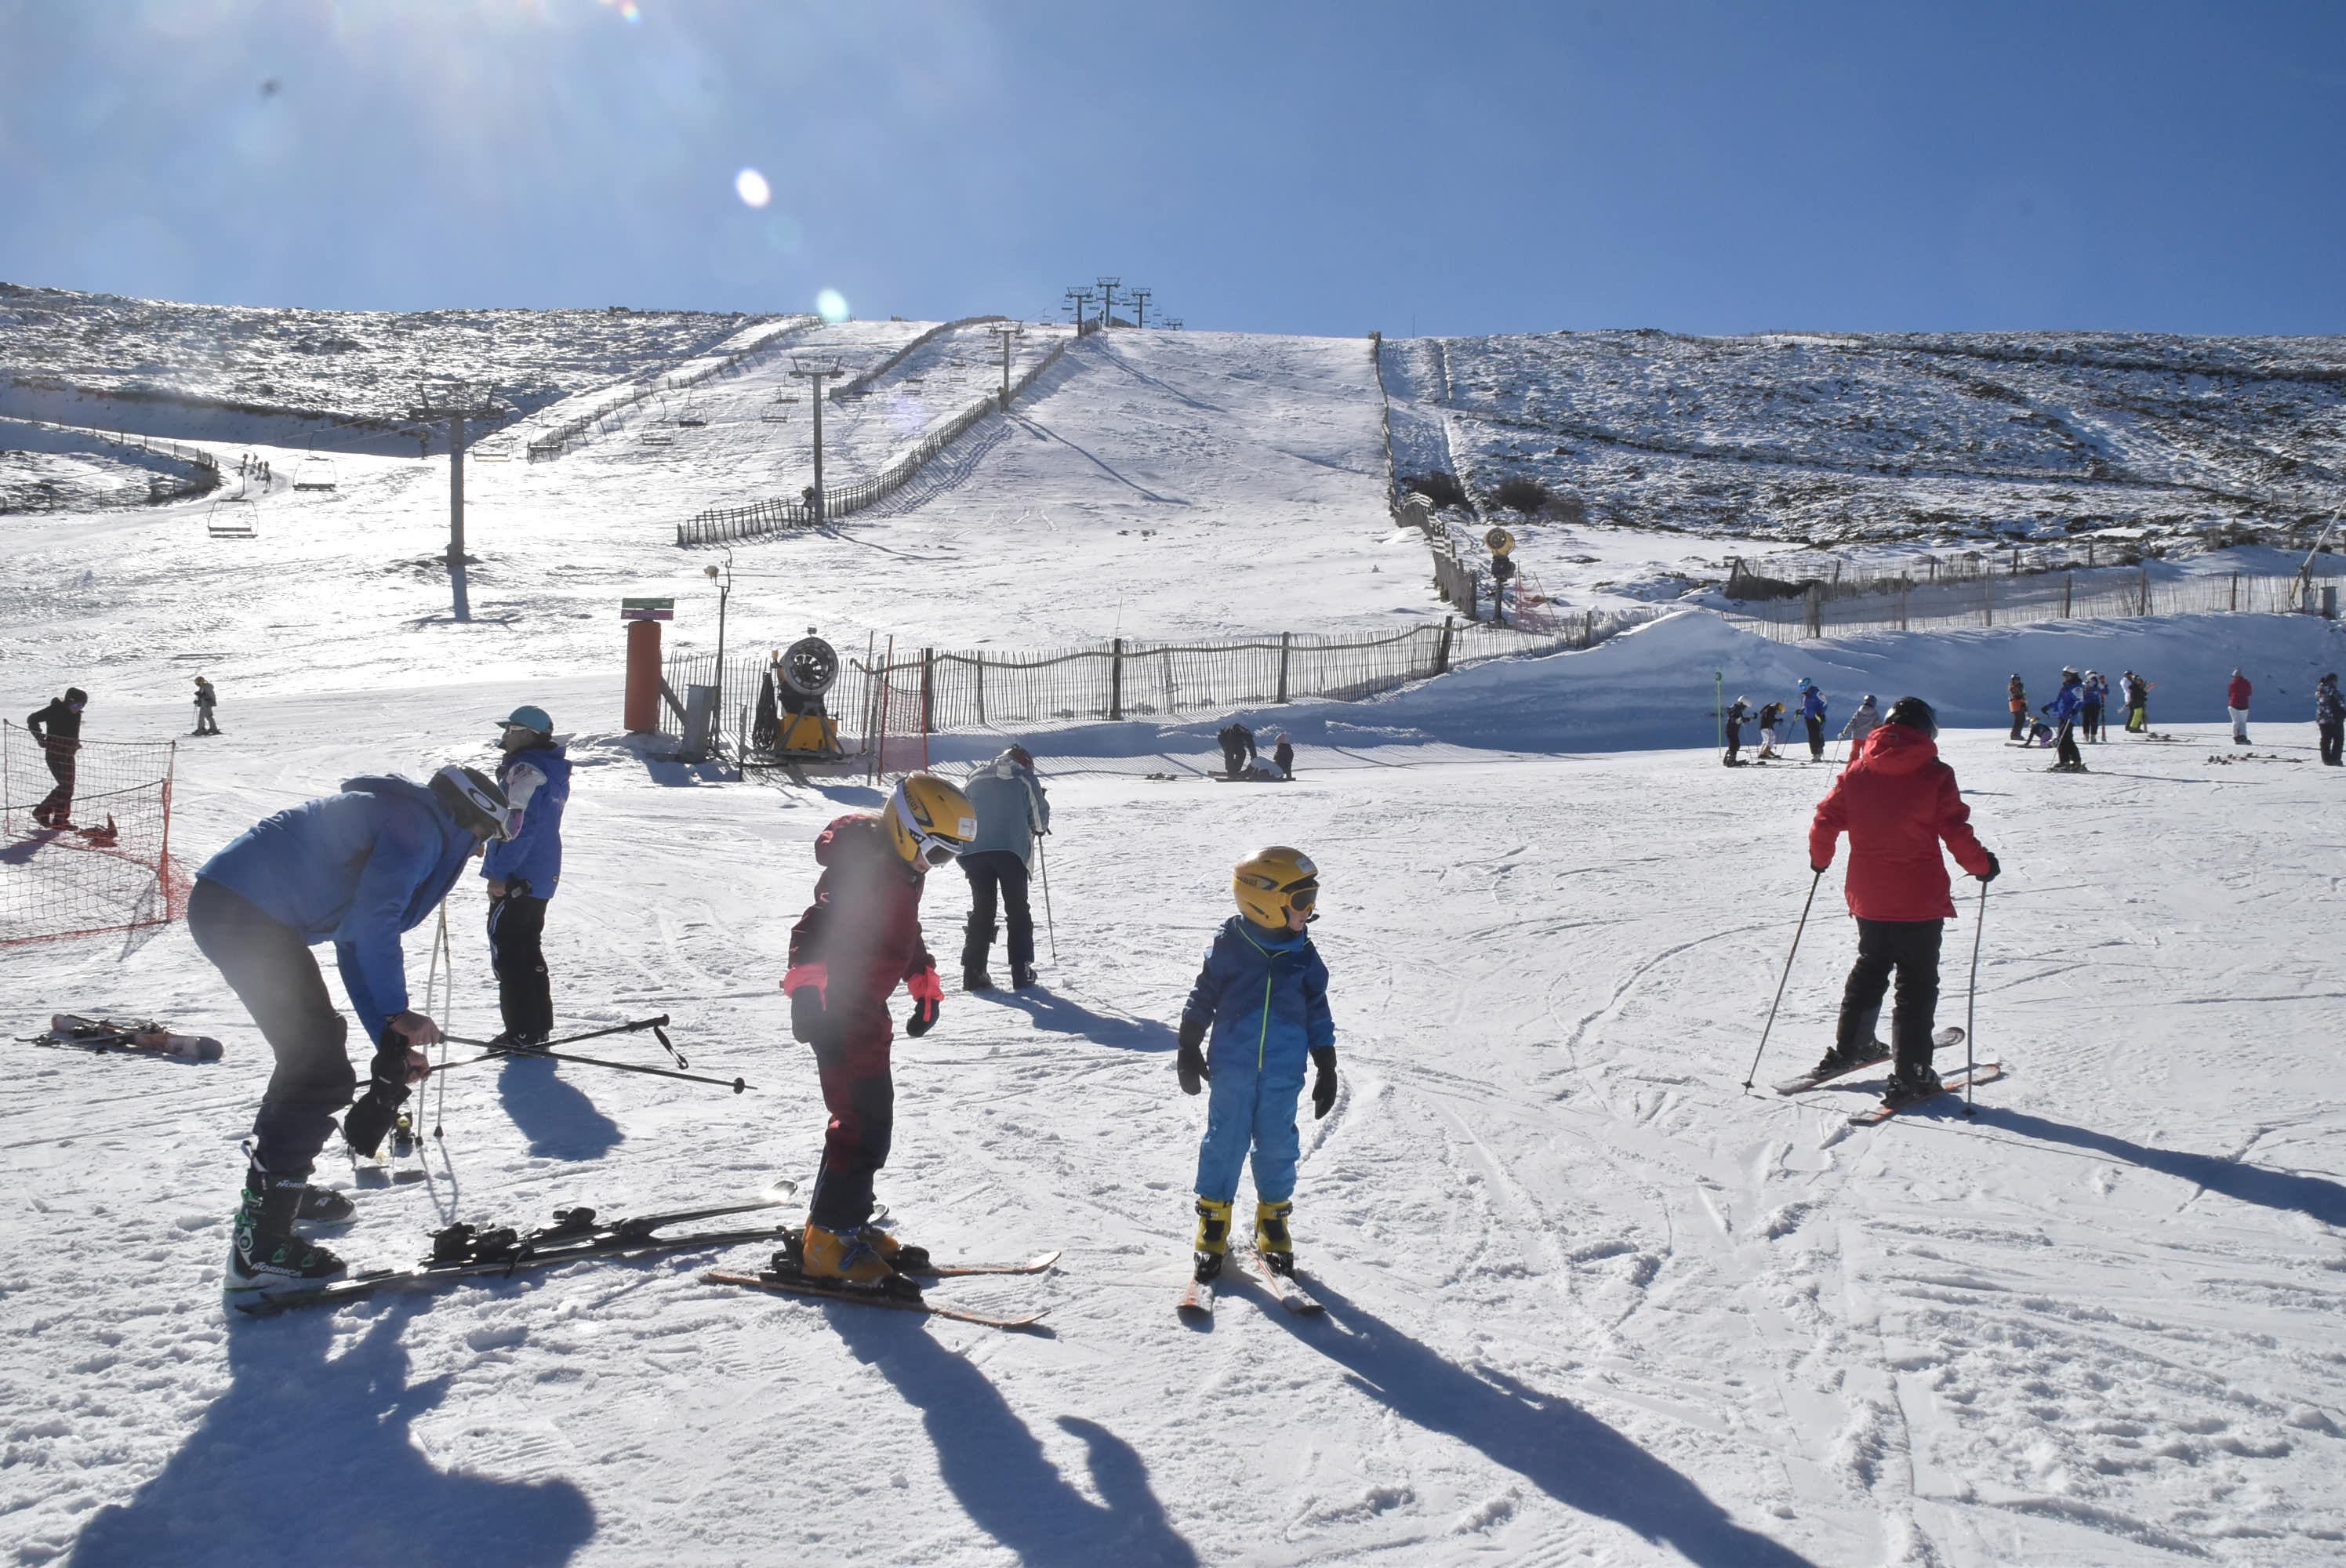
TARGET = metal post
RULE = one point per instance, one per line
(463, 603)
(2068, 586)
(1286, 646)
(928, 694)
(1116, 682)
(815, 376)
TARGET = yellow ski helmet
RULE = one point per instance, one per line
(929, 820)
(1270, 883)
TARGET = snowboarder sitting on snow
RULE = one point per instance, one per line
(206, 700)
(1238, 748)
(1012, 808)
(56, 729)
(1896, 803)
(1283, 755)
(1263, 994)
(1861, 725)
(2066, 705)
(2330, 718)
(1812, 714)
(1769, 717)
(521, 873)
(1736, 714)
(855, 941)
(357, 869)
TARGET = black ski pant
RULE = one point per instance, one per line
(204, 724)
(2093, 722)
(850, 1056)
(1234, 759)
(269, 967)
(1910, 947)
(525, 994)
(992, 872)
(56, 807)
(1816, 738)
(2067, 740)
(1734, 742)
(2333, 741)
(2020, 724)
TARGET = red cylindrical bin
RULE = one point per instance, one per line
(643, 676)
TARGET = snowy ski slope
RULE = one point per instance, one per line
(1588, 1300)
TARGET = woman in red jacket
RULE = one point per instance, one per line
(1896, 802)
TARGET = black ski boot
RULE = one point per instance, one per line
(1022, 976)
(266, 1253)
(1910, 1083)
(977, 943)
(324, 1205)
(1840, 1060)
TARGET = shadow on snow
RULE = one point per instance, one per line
(557, 1118)
(305, 1457)
(2315, 1196)
(1064, 1015)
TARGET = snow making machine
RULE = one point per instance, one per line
(793, 726)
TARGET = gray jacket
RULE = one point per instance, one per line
(1012, 808)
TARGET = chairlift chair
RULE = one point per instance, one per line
(237, 523)
(315, 472)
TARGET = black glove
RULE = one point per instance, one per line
(1323, 1080)
(806, 1014)
(364, 1124)
(923, 1017)
(1995, 868)
(1190, 1061)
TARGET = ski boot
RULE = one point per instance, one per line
(899, 1254)
(1213, 1240)
(1271, 1238)
(265, 1252)
(1839, 1060)
(977, 940)
(324, 1205)
(1910, 1083)
(518, 1040)
(829, 1257)
(1022, 976)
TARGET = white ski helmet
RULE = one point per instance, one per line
(475, 801)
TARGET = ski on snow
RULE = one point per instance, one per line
(466, 1251)
(1943, 1040)
(799, 1285)
(1198, 1296)
(102, 1036)
(1954, 1082)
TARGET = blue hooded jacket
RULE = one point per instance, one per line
(1010, 809)
(1266, 994)
(2067, 702)
(535, 855)
(1812, 703)
(357, 869)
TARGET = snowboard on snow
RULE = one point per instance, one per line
(1955, 1082)
(1943, 1040)
(101, 1035)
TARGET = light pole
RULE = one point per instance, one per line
(724, 585)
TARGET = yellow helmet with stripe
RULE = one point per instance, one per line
(1270, 882)
(929, 820)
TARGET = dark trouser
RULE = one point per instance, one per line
(988, 870)
(2333, 741)
(1234, 760)
(1734, 740)
(524, 995)
(1816, 738)
(271, 969)
(1912, 948)
(56, 806)
(204, 725)
(2093, 722)
(851, 1057)
(2067, 740)
(2020, 724)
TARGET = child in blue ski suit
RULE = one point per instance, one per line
(1263, 994)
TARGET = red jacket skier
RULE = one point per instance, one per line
(855, 941)
(1897, 802)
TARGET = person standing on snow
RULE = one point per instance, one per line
(1263, 997)
(1238, 748)
(855, 941)
(1283, 755)
(1012, 810)
(521, 872)
(2236, 701)
(1812, 714)
(2066, 704)
(2330, 718)
(1861, 724)
(2137, 704)
(1897, 803)
(2015, 697)
(2098, 697)
(1769, 717)
(56, 729)
(358, 869)
(1736, 714)
(206, 700)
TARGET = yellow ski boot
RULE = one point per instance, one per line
(1271, 1238)
(1213, 1238)
(835, 1259)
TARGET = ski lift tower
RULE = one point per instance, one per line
(1009, 332)
(454, 402)
(816, 372)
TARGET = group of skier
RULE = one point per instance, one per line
(1240, 756)
(1812, 707)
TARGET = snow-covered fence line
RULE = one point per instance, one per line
(938, 691)
(561, 437)
(858, 384)
(204, 478)
(2103, 595)
(722, 523)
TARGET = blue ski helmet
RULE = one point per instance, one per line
(527, 717)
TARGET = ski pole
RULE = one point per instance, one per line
(1971, 1002)
(1754, 1072)
(1043, 863)
(735, 1084)
(654, 1024)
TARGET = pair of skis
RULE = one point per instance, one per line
(72, 1032)
(1954, 1082)
(1198, 1296)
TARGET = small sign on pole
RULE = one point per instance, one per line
(648, 609)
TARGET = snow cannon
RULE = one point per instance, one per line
(1499, 541)
(802, 673)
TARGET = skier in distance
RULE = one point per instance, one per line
(1861, 724)
(207, 700)
(1769, 717)
(1812, 715)
(56, 729)
(2097, 700)
(1738, 711)
(1012, 809)
(2066, 705)
(2235, 703)
(855, 941)
(2015, 698)
(2330, 718)
(1263, 997)
(1897, 803)
(523, 871)
(1238, 748)
(358, 869)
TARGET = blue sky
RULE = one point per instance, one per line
(1696, 165)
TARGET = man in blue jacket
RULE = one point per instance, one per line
(1012, 810)
(1812, 714)
(522, 871)
(1263, 994)
(357, 869)
(2067, 704)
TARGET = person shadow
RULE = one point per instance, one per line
(1064, 1015)
(308, 1458)
(1550, 1443)
(2315, 1196)
(996, 1468)
(556, 1117)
